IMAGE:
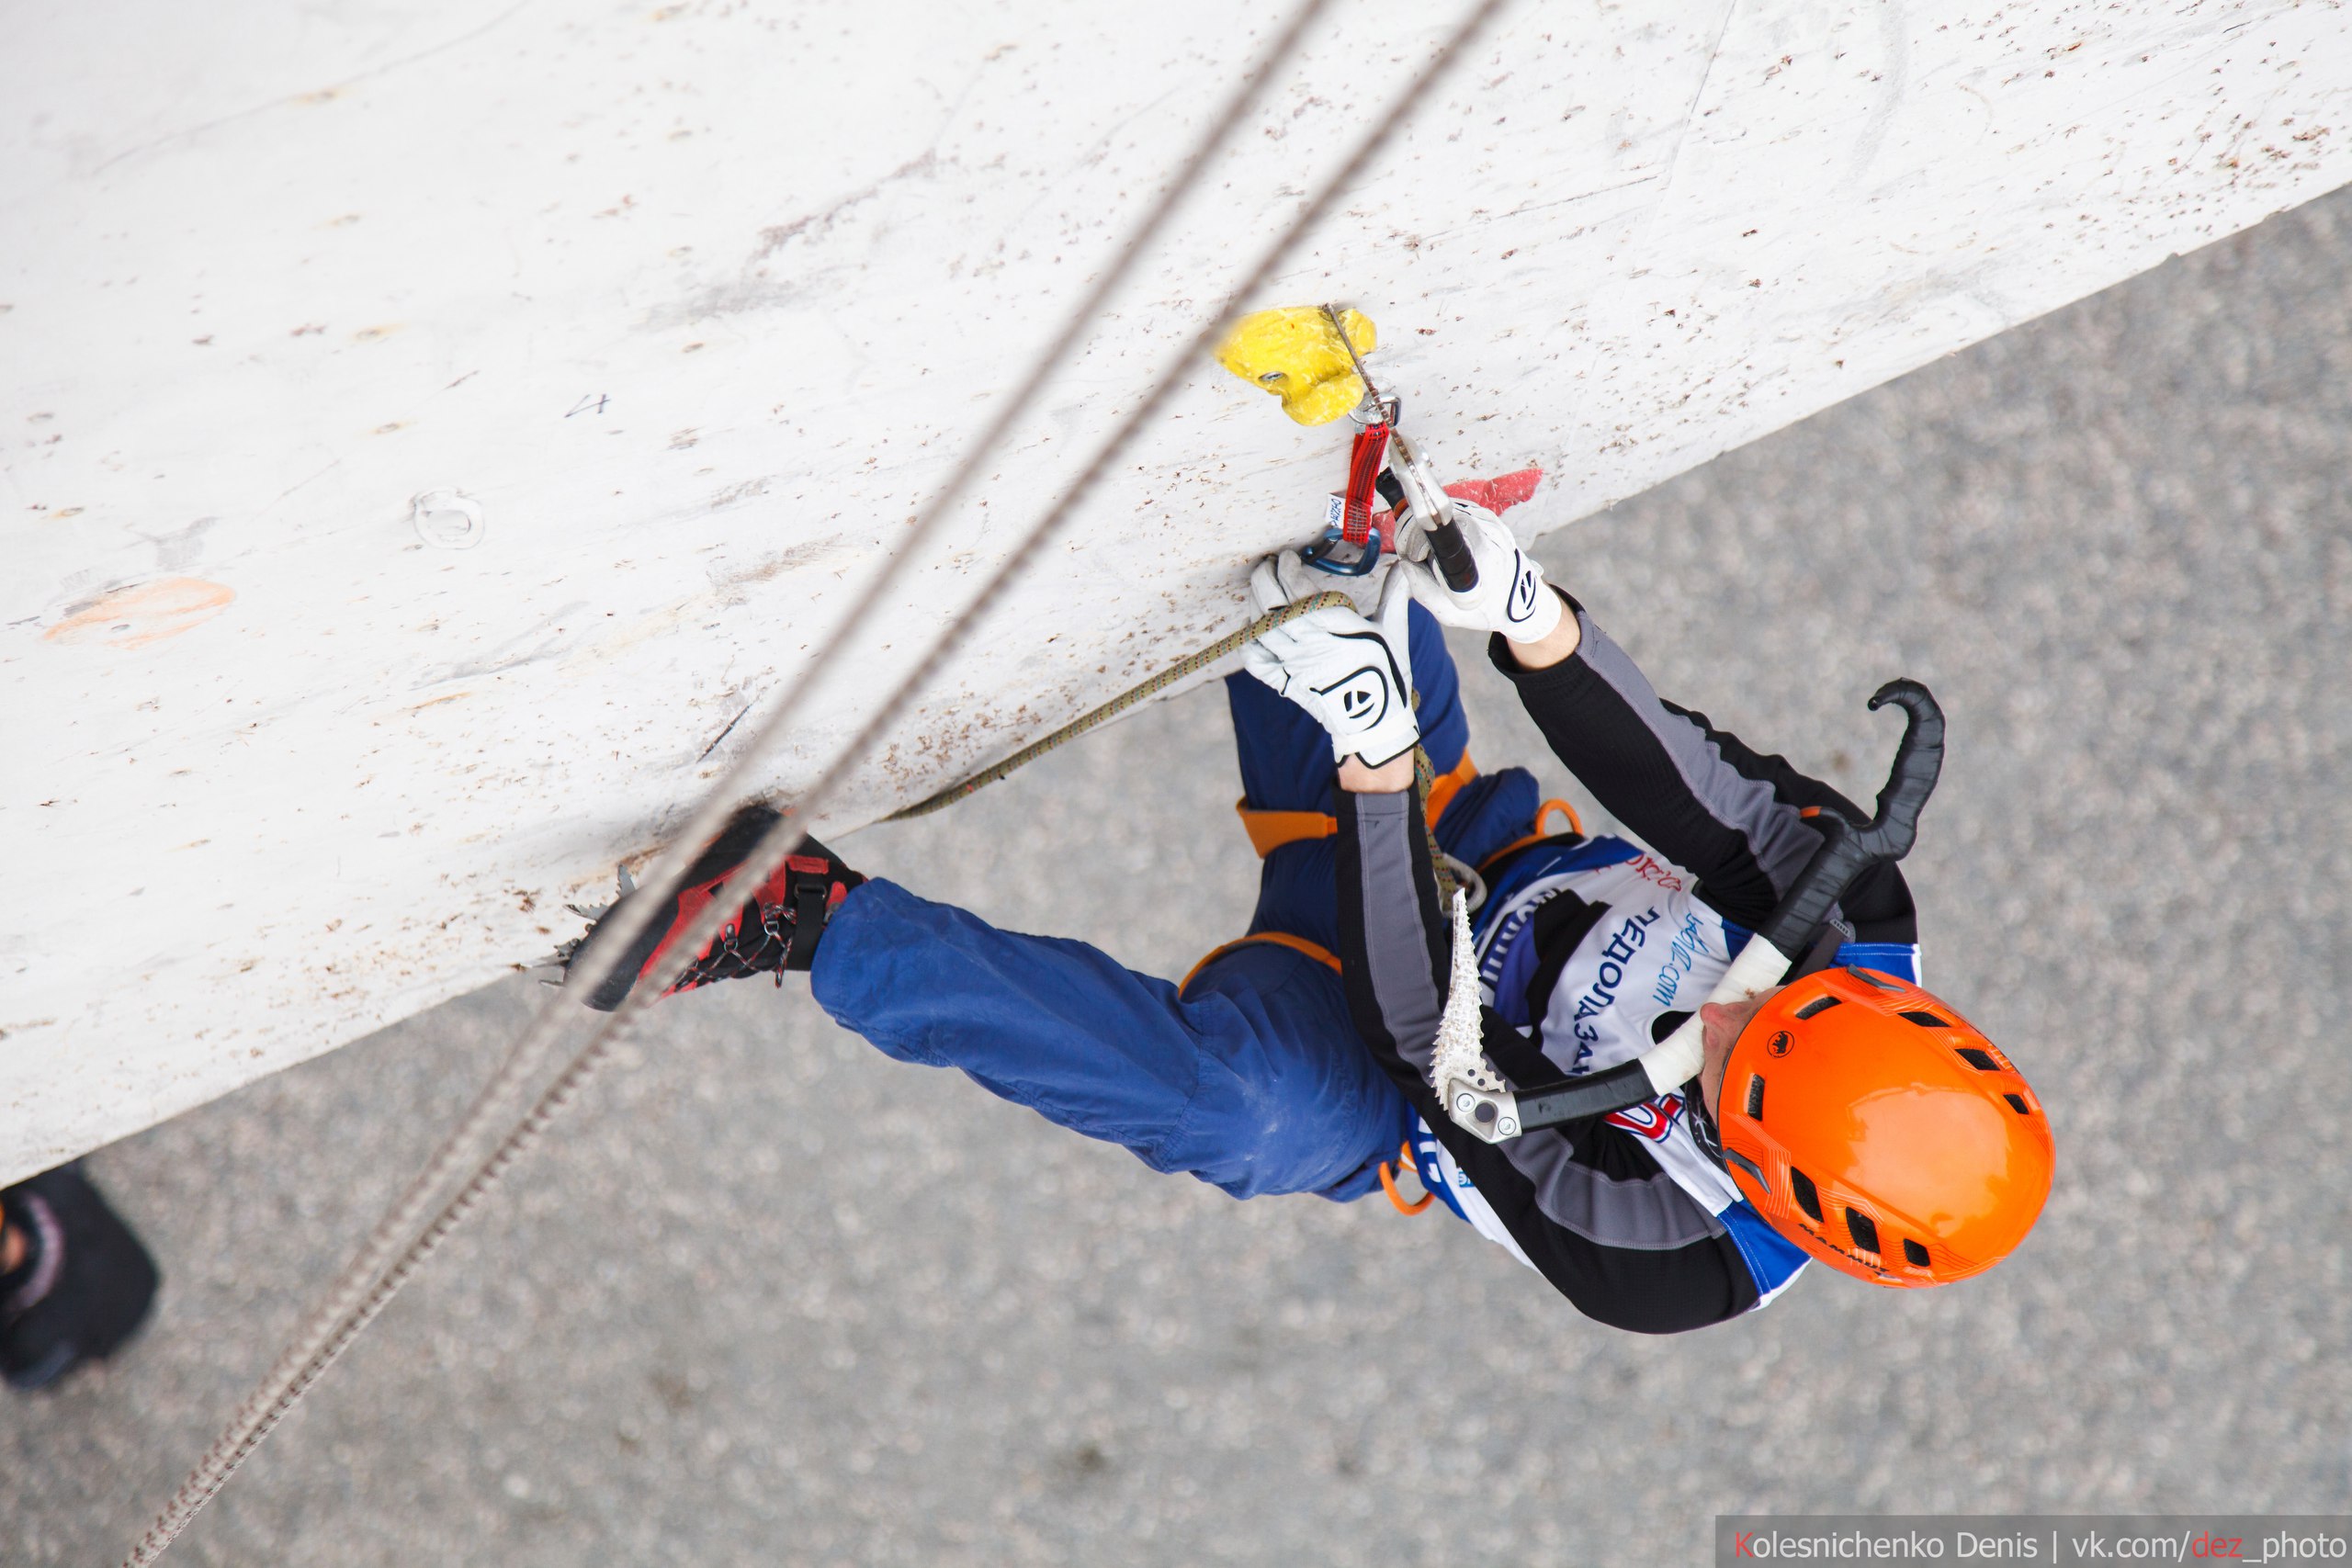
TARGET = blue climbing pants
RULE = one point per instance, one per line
(1251, 1076)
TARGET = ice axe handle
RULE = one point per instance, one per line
(1428, 505)
(1851, 848)
(1455, 562)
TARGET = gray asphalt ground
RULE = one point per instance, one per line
(767, 1297)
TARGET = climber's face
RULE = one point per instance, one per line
(1721, 1023)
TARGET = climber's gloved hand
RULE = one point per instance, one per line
(1352, 673)
(1510, 597)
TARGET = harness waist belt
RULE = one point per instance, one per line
(1270, 831)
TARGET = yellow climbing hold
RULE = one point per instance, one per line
(1294, 352)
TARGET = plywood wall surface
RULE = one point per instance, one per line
(674, 314)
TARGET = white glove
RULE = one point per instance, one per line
(1511, 596)
(1353, 674)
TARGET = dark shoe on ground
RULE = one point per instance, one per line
(85, 1284)
(776, 927)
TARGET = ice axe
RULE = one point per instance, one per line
(1848, 849)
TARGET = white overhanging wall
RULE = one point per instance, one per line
(674, 314)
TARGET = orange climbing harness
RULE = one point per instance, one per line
(1575, 825)
(1315, 950)
(1388, 1181)
(1270, 831)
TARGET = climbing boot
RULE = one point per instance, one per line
(82, 1287)
(776, 929)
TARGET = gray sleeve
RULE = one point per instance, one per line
(1403, 948)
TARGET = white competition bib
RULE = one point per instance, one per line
(1655, 949)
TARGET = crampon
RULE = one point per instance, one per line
(776, 929)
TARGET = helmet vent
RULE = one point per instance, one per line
(1818, 1005)
(1862, 1229)
(1981, 1060)
(1808, 1198)
(1927, 1020)
(2017, 1104)
(1914, 1254)
(1755, 1097)
(1866, 976)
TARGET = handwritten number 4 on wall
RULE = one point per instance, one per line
(590, 403)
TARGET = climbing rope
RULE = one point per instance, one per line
(416, 1224)
(1191, 664)
(1441, 864)
(1424, 771)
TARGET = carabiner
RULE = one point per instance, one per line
(1324, 554)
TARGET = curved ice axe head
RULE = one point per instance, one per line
(1849, 848)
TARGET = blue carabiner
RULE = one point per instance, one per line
(1322, 555)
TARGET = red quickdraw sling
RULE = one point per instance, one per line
(1366, 461)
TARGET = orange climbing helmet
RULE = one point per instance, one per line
(1881, 1132)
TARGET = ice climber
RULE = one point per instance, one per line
(1848, 1116)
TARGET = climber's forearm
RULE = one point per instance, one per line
(1554, 647)
(1359, 777)
(1394, 942)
